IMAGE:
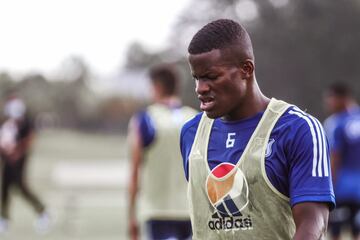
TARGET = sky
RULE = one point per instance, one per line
(38, 35)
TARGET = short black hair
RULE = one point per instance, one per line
(220, 34)
(167, 76)
(339, 89)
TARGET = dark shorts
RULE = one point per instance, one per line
(345, 215)
(168, 229)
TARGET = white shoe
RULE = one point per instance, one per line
(43, 223)
(4, 225)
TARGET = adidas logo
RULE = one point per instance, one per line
(196, 154)
(223, 215)
(221, 221)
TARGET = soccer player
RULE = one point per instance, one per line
(16, 136)
(343, 129)
(257, 168)
(156, 162)
(339, 103)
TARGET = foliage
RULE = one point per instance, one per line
(300, 47)
(68, 101)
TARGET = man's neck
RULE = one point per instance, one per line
(254, 102)
(171, 101)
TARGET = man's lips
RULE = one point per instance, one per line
(206, 102)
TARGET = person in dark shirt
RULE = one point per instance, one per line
(16, 137)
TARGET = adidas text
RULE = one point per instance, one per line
(231, 223)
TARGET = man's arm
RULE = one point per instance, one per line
(136, 155)
(310, 188)
(311, 219)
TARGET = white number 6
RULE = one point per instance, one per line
(230, 141)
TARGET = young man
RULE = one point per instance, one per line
(156, 162)
(339, 103)
(16, 136)
(258, 168)
(343, 129)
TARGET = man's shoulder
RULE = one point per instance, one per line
(295, 118)
(296, 127)
(351, 123)
(353, 114)
(191, 125)
(157, 108)
(142, 115)
(337, 118)
(187, 136)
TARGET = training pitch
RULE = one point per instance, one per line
(82, 180)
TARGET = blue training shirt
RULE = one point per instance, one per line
(347, 145)
(146, 128)
(330, 125)
(297, 163)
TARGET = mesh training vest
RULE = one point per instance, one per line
(242, 204)
(163, 184)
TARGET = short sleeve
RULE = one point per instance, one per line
(309, 165)
(187, 136)
(146, 128)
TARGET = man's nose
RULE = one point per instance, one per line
(201, 87)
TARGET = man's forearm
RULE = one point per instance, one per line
(311, 220)
(309, 232)
(132, 197)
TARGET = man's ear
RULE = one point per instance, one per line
(247, 68)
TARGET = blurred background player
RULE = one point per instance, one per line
(156, 162)
(338, 103)
(16, 137)
(343, 129)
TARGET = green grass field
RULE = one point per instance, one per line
(81, 209)
(82, 179)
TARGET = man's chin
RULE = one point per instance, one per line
(212, 115)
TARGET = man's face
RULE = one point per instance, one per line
(219, 84)
(334, 104)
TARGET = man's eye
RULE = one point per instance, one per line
(212, 77)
